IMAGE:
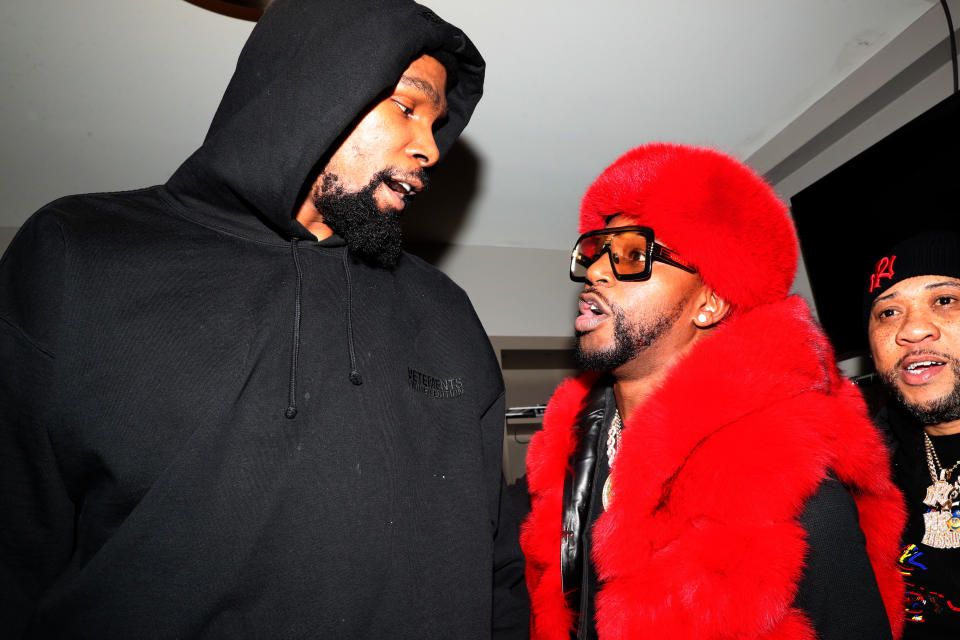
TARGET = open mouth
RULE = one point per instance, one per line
(403, 188)
(592, 313)
(920, 368)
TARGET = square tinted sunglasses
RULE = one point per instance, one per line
(632, 251)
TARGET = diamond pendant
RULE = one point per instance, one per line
(938, 532)
(938, 494)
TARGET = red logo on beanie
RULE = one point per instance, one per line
(884, 269)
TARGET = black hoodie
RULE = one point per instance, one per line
(212, 425)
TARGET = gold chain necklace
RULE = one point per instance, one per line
(942, 522)
(613, 445)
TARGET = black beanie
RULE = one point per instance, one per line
(934, 253)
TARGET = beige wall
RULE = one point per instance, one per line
(6, 235)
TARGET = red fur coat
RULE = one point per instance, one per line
(702, 539)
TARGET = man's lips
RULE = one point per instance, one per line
(397, 199)
(401, 188)
(593, 311)
(404, 186)
(920, 368)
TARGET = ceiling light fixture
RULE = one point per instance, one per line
(242, 9)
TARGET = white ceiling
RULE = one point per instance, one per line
(112, 94)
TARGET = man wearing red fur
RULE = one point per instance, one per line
(712, 475)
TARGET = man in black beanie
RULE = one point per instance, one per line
(912, 312)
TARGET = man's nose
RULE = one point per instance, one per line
(424, 148)
(601, 271)
(917, 326)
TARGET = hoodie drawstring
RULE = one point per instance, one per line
(291, 411)
(355, 376)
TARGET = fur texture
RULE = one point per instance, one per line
(702, 539)
(709, 207)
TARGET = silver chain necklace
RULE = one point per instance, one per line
(613, 445)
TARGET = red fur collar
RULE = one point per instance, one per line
(717, 462)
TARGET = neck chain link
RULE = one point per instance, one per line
(613, 437)
(613, 444)
(937, 472)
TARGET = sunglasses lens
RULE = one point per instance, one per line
(585, 254)
(627, 249)
(630, 252)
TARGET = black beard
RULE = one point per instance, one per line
(370, 233)
(945, 409)
(628, 341)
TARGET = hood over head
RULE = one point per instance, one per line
(309, 72)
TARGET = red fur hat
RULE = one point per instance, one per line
(710, 208)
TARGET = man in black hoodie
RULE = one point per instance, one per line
(230, 407)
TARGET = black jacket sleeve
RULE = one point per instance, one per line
(37, 517)
(511, 613)
(511, 604)
(838, 591)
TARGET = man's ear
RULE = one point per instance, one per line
(712, 308)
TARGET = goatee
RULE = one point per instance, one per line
(372, 234)
(628, 341)
(943, 409)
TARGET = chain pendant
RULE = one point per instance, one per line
(941, 529)
(607, 496)
(938, 494)
(941, 525)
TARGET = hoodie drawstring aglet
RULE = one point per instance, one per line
(291, 411)
(355, 376)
